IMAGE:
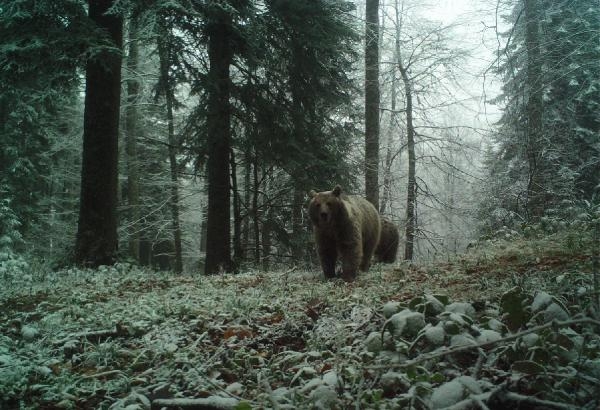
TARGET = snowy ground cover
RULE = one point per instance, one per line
(477, 332)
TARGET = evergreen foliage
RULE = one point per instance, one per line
(292, 105)
(43, 44)
(12, 264)
(569, 155)
(291, 99)
(295, 121)
(97, 240)
(307, 53)
(266, 92)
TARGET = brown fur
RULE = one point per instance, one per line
(346, 227)
(388, 242)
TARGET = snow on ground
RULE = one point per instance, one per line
(124, 337)
(81, 336)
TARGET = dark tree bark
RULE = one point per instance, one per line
(298, 244)
(237, 214)
(255, 216)
(301, 108)
(203, 237)
(411, 196)
(97, 240)
(266, 240)
(535, 186)
(372, 102)
(247, 191)
(218, 247)
(168, 90)
(131, 134)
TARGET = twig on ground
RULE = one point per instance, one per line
(479, 364)
(441, 353)
(216, 386)
(480, 403)
(220, 403)
(506, 396)
(522, 399)
(468, 403)
(97, 335)
(102, 374)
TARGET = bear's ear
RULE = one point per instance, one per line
(312, 193)
(337, 191)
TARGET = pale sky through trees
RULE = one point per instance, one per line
(160, 246)
(475, 22)
(473, 28)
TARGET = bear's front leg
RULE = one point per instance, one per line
(328, 257)
(351, 255)
(366, 259)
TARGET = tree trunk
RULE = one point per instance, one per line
(97, 240)
(372, 102)
(451, 191)
(301, 109)
(218, 247)
(131, 134)
(246, 219)
(266, 226)
(163, 52)
(298, 243)
(535, 186)
(298, 121)
(266, 241)
(237, 214)
(255, 217)
(387, 178)
(203, 238)
(389, 157)
(411, 196)
(387, 169)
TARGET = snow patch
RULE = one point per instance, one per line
(462, 339)
(407, 323)
(541, 301)
(29, 333)
(391, 308)
(486, 336)
(462, 308)
(555, 312)
(435, 335)
(452, 392)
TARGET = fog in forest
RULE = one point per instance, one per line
(299, 204)
(197, 149)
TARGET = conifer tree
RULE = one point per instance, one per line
(41, 49)
(97, 240)
(220, 53)
(372, 102)
(552, 86)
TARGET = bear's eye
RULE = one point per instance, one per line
(318, 204)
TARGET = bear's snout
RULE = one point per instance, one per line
(324, 216)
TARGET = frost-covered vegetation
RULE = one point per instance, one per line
(507, 326)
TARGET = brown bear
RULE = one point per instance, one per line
(345, 226)
(388, 242)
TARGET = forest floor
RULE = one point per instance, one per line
(399, 337)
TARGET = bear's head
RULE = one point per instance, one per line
(325, 206)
